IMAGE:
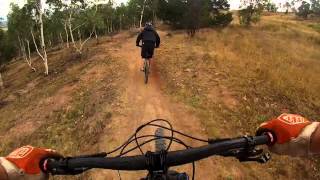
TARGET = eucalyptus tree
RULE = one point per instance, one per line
(38, 10)
(20, 23)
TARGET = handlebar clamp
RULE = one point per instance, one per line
(156, 161)
(251, 142)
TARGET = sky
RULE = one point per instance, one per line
(5, 5)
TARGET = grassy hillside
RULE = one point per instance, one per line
(236, 78)
(66, 110)
(233, 79)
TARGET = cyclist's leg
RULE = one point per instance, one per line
(150, 55)
(142, 64)
(143, 56)
(149, 63)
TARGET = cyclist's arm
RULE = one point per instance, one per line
(315, 141)
(23, 163)
(157, 39)
(139, 39)
(295, 135)
(3, 173)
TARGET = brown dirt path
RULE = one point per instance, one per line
(142, 103)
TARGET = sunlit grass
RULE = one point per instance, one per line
(267, 69)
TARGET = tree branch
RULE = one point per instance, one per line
(36, 46)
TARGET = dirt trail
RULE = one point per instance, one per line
(143, 103)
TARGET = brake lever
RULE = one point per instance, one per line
(243, 155)
(250, 153)
(265, 157)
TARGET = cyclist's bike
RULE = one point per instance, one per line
(146, 68)
(157, 163)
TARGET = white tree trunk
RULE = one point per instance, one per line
(84, 42)
(79, 36)
(1, 82)
(80, 45)
(142, 12)
(22, 48)
(43, 45)
(42, 57)
(67, 34)
(24, 53)
(96, 35)
(61, 40)
(29, 62)
(70, 31)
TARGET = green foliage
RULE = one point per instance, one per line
(304, 10)
(222, 19)
(7, 48)
(86, 17)
(315, 7)
(252, 12)
(193, 14)
(315, 27)
(271, 7)
(218, 13)
(172, 11)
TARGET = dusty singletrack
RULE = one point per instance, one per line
(142, 103)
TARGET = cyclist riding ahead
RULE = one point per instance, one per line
(150, 40)
(292, 135)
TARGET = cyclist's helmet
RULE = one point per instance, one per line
(148, 24)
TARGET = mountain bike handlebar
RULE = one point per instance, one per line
(141, 46)
(142, 162)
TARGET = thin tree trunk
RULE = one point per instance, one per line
(45, 62)
(67, 34)
(155, 5)
(61, 40)
(43, 45)
(28, 45)
(29, 62)
(120, 18)
(35, 45)
(142, 12)
(22, 48)
(82, 44)
(50, 43)
(24, 53)
(96, 35)
(1, 82)
(79, 36)
(111, 26)
(70, 31)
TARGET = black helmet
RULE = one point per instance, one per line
(148, 24)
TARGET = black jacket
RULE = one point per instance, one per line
(148, 34)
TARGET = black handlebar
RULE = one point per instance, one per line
(140, 162)
(141, 46)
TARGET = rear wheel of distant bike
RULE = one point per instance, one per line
(160, 143)
(146, 71)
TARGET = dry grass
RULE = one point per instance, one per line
(237, 77)
(66, 110)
